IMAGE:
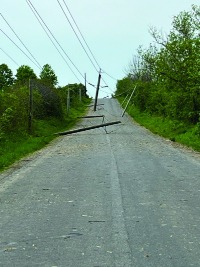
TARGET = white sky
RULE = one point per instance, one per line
(113, 29)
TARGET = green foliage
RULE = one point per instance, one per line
(6, 76)
(15, 145)
(124, 86)
(24, 73)
(13, 110)
(167, 73)
(48, 76)
(173, 130)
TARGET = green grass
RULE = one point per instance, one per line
(188, 135)
(17, 145)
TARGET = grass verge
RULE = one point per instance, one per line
(17, 145)
(176, 131)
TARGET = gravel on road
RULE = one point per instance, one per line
(114, 197)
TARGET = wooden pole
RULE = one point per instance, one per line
(97, 91)
(88, 128)
(68, 101)
(85, 85)
(30, 118)
(90, 117)
(80, 95)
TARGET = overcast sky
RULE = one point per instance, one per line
(113, 29)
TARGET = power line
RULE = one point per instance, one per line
(77, 36)
(21, 41)
(9, 57)
(38, 17)
(85, 41)
(18, 47)
(81, 34)
(50, 38)
(109, 75)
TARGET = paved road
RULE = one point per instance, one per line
(122, 199)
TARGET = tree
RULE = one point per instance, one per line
(6, 76)
(24, 73)
(167, 73)
(48, 76)
(178, 65)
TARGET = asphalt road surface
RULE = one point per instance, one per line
(93, 199)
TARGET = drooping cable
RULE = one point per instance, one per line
(77, 36)
(109, 75)
(9, 56)
(83, 40)
(19, 48)
(52, 41)
(39, 18)
(21, 41)
(86, 42)
(81, 34)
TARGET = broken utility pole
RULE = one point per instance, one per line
(89, 128)
(97, 91)
(90, 117)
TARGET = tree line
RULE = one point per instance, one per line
(167, 73)
(48, 99)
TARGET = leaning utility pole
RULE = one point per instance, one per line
(97, 91)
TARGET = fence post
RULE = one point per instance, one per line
(68, 101)
(80, 95)
(30, 117)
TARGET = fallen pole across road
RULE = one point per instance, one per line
(88, 128)
(90, 117)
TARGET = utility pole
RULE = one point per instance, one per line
(68, 101)
(30, 118)
(80, 95)
(85, 85)
(97, 91)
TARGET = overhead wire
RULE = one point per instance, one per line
(77, 36)
(83, 40)
(39, 18)
(19, 48)
(109, 75)
(9, 56)
(81, 34)
(86, 43)
(21, 41)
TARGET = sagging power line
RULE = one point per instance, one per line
(82, 35)
(77, 35)
(49, 32)
(83, 38)
(21, 41)
(9, 56)
(19, 48)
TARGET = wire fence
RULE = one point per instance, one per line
(21, 107)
